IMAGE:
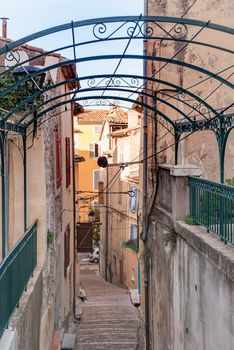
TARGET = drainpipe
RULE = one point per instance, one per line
(144, 210)
(74, 218)
(144, 199)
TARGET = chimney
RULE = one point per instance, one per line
(4, 27)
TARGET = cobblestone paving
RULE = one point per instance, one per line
(109, 321)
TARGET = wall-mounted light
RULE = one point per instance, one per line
(91, 216)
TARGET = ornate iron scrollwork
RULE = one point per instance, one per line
(101, 32)
(135, 29)
(12, 57)
(100, 102)
(113, 82)
(202, 109)
(180, 30)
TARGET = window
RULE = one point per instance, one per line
(68, 162)
(66, 249)
(94, 150)
(133, 232)
(97, 129)
(96, 176)
(58, 171)
(133, 199)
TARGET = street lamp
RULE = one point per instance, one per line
(91, 216)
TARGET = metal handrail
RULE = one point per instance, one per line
(15, 271)
(212, 206)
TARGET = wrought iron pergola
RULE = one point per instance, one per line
(195, 111)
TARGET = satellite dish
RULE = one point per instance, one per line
(15, 57)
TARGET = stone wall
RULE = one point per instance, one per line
(191, 281)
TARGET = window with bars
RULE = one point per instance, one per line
(66, 249)
(68, 162)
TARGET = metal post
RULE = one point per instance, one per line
(25, 180)
(177, 139)
(221, 137)
(2, 148)
(107, 226)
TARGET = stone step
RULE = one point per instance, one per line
(107, 346)
(107, 337)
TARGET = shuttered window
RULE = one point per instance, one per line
(94, 150)
(66, 249)
(58, 170)
(68, 161)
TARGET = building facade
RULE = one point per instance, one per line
(41, 189)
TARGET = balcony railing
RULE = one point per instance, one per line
(212, 206)
(15, 271)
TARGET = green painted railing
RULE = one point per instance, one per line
(15, 271)
(212, 205)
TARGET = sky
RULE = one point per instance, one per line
(27, 17)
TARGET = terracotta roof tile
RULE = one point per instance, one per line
(95, 116)
(114, 116)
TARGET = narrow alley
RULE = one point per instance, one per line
(117, 175)
(108, 321)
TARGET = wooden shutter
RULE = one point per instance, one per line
(68, 162)
(96, 150)
(58, 172)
